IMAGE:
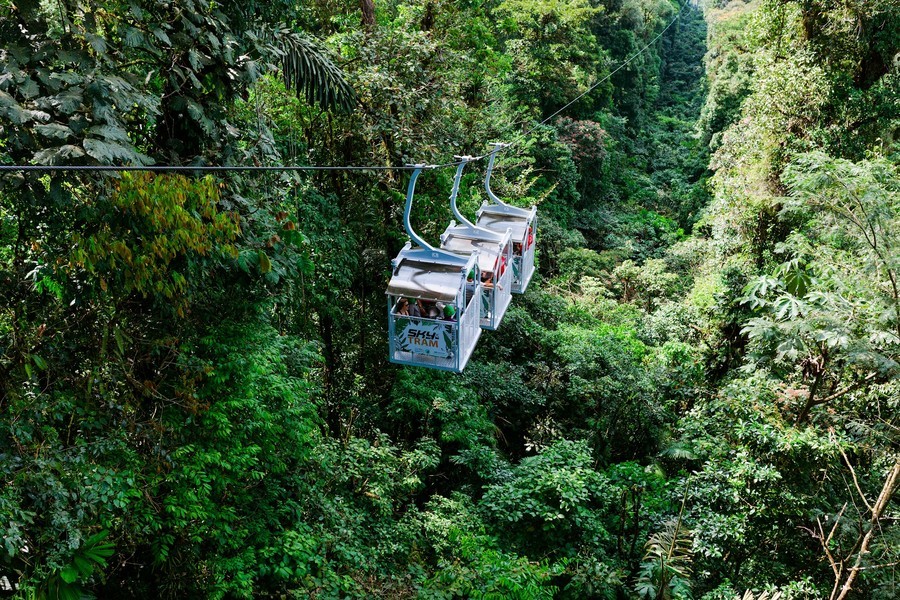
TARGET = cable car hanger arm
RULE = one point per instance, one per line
(426, 248)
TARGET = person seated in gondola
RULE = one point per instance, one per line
(517, 248)
(487, 279)
(429, 309)
(449, 313)
(403, 307)
(470, 285)
(414, 310)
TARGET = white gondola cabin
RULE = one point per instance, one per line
(494, 251)
(494, 261)
(498, 216)
(433, 319)
(442, 330)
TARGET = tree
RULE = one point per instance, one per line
(839, 317)
(553, 49)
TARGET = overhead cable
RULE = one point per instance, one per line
(216, 169)
(603, 80)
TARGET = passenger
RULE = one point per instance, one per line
(517, 249)
(403, 307)
(414, 310)
(487, 279)
(449, 313)
(470, 282)
(470, 285)
(438, 310)
(428, 309)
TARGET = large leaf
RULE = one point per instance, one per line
(55, 156)
(53, 131)
(311, 74)
(112, 152)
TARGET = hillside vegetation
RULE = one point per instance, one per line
(697, 397)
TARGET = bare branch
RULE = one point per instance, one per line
(884, 497)
(855, 480)
(836, 567)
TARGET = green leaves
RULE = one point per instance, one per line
(54, 131)
(796, 277)
(556, 492)
(57, 156)
(788, 307)
(113, 152)
(666, 570)
(309, 71)
(69, 582)
(554, 53)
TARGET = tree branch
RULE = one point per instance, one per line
(838, 569)
(887, 491)
(849, 388)
(855, 480)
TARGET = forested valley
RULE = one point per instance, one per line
(698, 396)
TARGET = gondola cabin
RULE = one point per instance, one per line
(494, 252)
(522, 225)
(433, 319)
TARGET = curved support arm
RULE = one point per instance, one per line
(410, 190)
(497, 146)
(432, 252)
(464, 161)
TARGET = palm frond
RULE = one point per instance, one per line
(666, 570)
(748, 595)
(309, 71)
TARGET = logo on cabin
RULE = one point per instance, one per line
(420, 338)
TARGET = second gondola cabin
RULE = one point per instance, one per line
(499, 216)
(494, 251)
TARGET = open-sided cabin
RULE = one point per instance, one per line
(443, 329)
(494, 253)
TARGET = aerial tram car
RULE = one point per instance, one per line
(434, 311)
(498, 216)
(439, 299)
(494, 254)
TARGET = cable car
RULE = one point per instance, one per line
(446, 329)
(498, 216)
(494, 251)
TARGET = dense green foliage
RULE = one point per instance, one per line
(698, 397)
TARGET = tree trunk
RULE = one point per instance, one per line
(428, 17)
(367, 8)
(811, 397)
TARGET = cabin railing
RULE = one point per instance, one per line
(435, 343)
(502, 294)
(527, 266)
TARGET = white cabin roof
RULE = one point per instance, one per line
(495, 219)
(488, 251)
(428, 281)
